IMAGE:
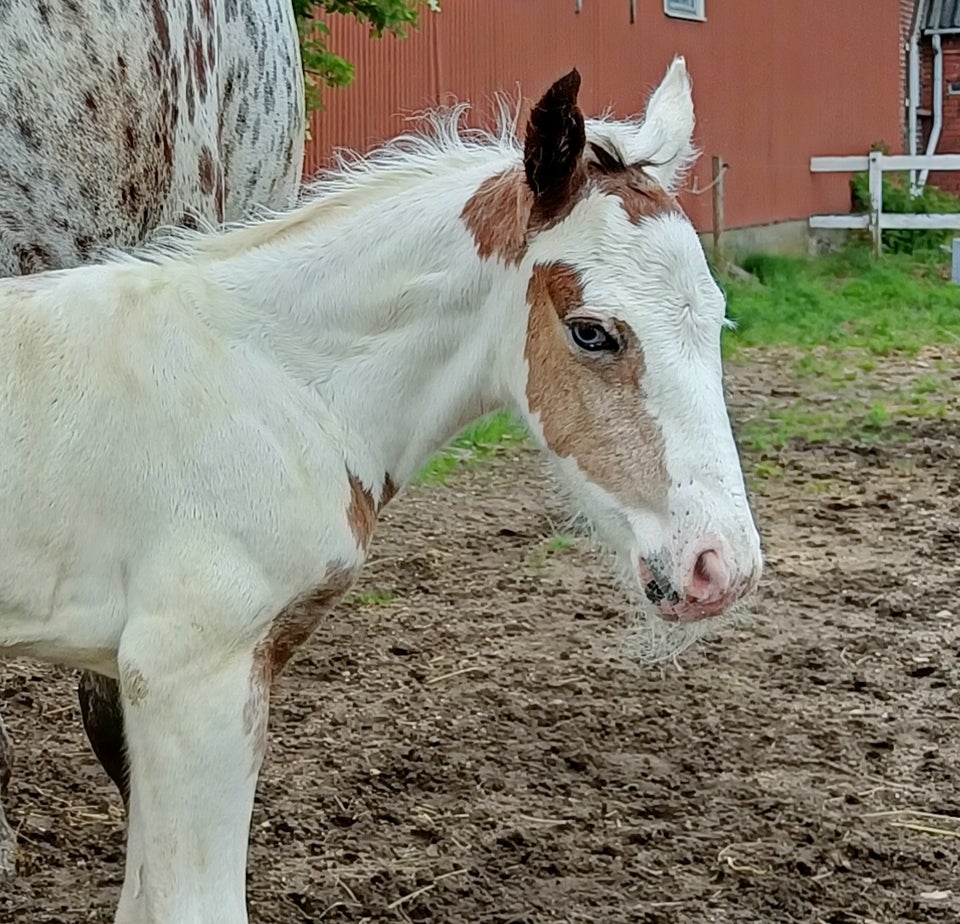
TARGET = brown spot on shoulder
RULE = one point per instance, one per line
(363, 510)
(291, 627)
(590, 409)
(294, 624)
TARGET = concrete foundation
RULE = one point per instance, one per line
(784, 237)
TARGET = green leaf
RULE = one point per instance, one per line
(322, 67)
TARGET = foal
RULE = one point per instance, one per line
(196, 441)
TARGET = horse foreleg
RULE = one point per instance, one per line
(102, 714)
(195, 724)
(8, 840)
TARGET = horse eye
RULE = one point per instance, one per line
(593, 337)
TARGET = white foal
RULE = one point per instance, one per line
(195, 441)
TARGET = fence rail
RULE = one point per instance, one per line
(876, 220)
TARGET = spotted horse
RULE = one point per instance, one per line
(269, 387)
(118, 117)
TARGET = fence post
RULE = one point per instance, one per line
(718, 170)
(875, 177)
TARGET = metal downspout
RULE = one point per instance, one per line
(913, 86)
(937, 126)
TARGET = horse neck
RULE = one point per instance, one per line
(388, 315)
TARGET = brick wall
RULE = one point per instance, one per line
(950, 134)
(949, 142)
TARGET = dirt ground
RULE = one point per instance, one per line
(451, 747)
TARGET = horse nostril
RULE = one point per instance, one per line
(710, 576)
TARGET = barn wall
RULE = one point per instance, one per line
(774, 84)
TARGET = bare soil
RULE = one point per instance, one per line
(451, 748)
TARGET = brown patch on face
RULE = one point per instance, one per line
(639, 194)
(503, 212)
(590, 408)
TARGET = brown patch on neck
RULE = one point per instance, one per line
(503, 213)
(591, 409)
(497, 215)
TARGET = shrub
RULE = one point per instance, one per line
(897, 199)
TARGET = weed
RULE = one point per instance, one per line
(373, 597)
(767, 469)
(481, 440)
(560, 542)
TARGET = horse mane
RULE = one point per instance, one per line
(353, 179)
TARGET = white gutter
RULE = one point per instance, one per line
(937, 126)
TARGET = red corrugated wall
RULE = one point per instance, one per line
(774, 83)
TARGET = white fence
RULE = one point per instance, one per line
(876, 220)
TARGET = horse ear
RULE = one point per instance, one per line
(666, 135)
(554, 143)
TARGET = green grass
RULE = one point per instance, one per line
(560, 542)
(556, 544)
(373, 597)
(840, 315)
(849, 299)
(481, 440)
(845, 418)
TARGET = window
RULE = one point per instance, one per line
(686, 9)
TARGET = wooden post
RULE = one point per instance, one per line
(717, 180)
(875, 177)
